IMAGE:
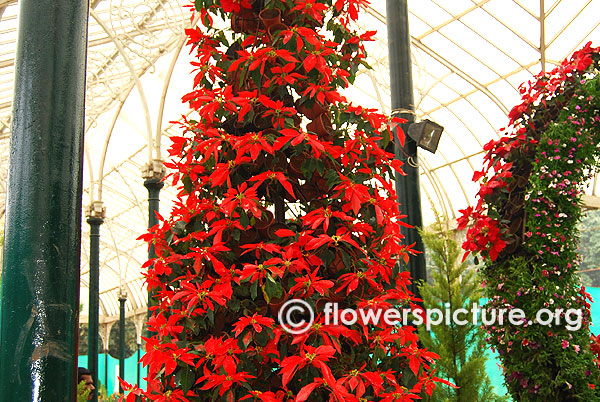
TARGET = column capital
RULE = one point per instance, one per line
(122, 294)
(96, 210)
(155, 171)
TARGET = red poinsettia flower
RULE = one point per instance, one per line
(257, 322)
(235, 5)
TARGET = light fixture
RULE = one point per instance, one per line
(426, 134)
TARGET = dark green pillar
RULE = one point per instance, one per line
(94, 220)
(407, 187)
(122, 300)
(153, 175)
(40, 278)
(106, 369)
(154, 186)
(139, 356)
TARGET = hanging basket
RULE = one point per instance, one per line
(311, 111)
(321, 126)
(270, 17)
(274, 30)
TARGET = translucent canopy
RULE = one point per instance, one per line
(469, 57)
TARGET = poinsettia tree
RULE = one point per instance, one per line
(524, 226)
(284, 193)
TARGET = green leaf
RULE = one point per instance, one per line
(261, 338)
(385, 140)
(272, 288)
(179, 227)
(244, 220)
(210, 315)
(379, 353)
(254, 290)
(308, 167)
(187, 378)
(187, 184)
(234, 305)
(396, 270)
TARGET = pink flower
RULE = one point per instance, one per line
(564, 344)
(577, 348)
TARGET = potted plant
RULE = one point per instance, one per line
(305, 216)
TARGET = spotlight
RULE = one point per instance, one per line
(426, 134)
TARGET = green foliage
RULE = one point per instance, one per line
(103, 393)
(82, 392)
(461, 347)
(524, 225)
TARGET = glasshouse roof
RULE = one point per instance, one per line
(468, 59)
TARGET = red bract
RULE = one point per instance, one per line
(235, 5)
(285, 193)
(257, 322)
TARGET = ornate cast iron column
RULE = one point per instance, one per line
(153, 175)
(122, 300)
(95, 217)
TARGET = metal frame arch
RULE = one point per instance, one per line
(484, 38)
(165, 89)
(418, 44)
(163, 97)
(432, 173)
(135, 78)
(434, 182)
(90, 169)
(137, 202)
(107, 141)
(479, 86)
(465, 125)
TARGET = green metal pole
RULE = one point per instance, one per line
(122, 300)
(407, 187)
(106, 369)
(139, 349)
(94, 304)
(40, 278)
(154, 185)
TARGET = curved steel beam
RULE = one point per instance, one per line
(460, 73)
(107, 141)
(88, 160)
(163, 96)
(420, 45)
(134, 76)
